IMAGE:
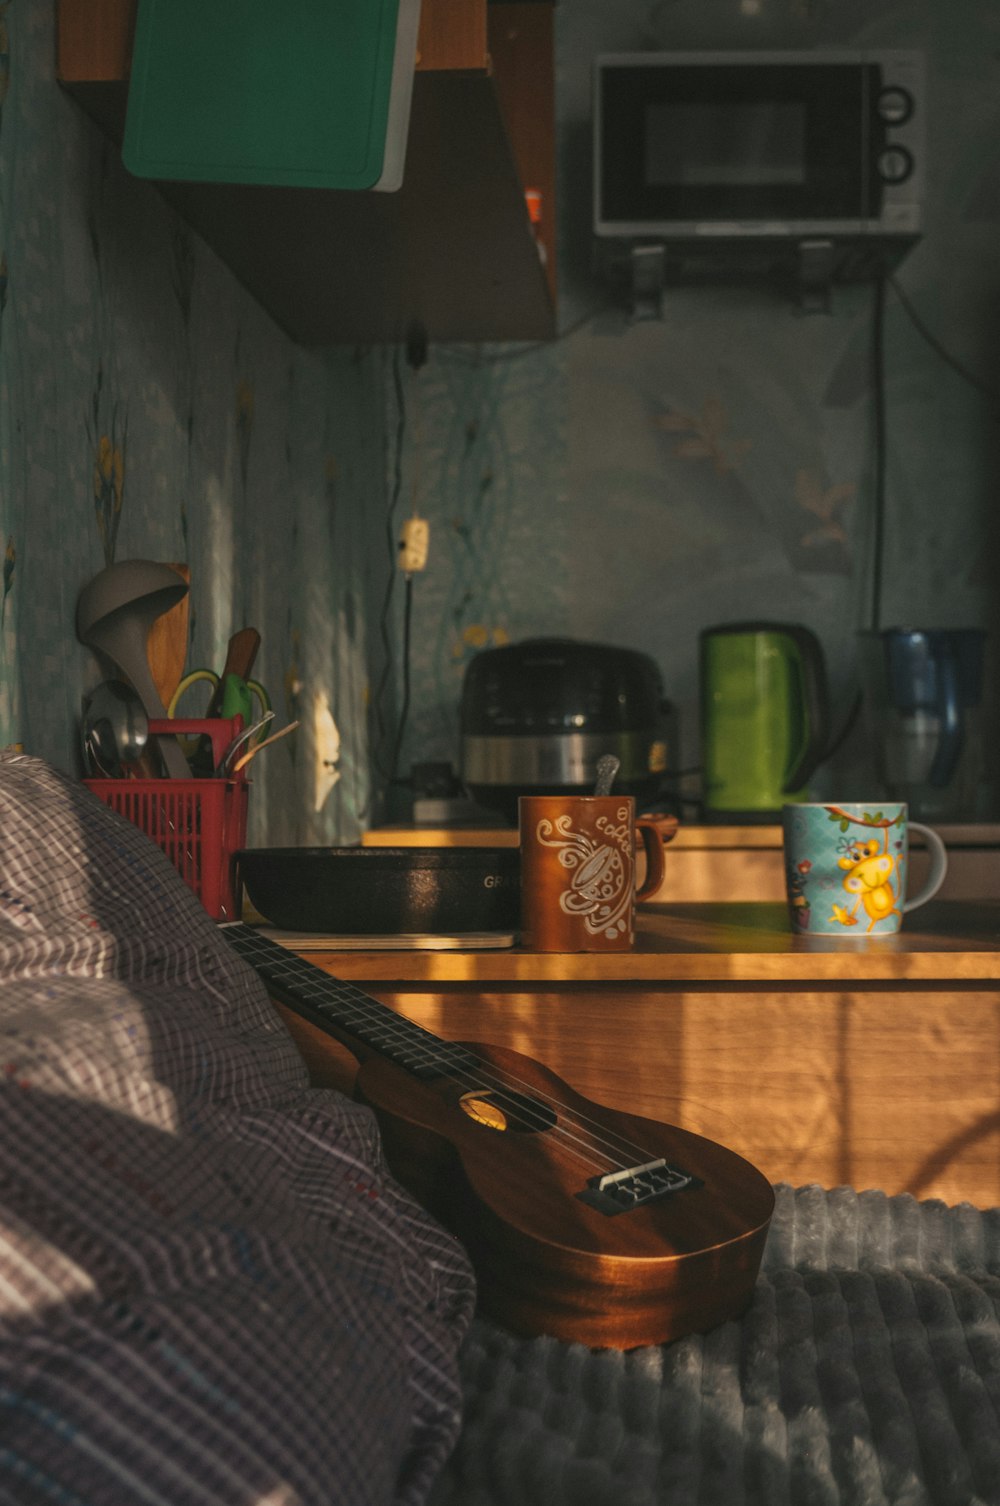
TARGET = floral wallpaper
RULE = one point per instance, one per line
(149, 409)
(635, 482)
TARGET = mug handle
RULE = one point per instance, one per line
(654, 831)
(939, 866)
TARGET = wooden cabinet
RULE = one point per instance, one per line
(452, 251)
(94, 40)
(873, 1064)
(453, 34)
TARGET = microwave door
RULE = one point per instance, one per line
(728, 149)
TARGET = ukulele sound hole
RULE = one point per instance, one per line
(502, 1110)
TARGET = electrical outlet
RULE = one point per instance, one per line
(413, 543)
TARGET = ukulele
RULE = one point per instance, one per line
(582, 1222)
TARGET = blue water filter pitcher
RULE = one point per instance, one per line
(923, 692)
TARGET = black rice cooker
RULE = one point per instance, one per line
(536, 716)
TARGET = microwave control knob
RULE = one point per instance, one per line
(894, 164)
(894, 105)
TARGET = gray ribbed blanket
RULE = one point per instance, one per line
(867, 1371)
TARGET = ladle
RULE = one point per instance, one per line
(113, 614)
(114, 727)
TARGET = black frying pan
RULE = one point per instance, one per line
(373, 891)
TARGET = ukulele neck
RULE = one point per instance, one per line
(347, 1013)
(360, 1021)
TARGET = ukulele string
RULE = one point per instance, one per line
(585, 1147)
(597, 1142)
(592, 1139)
(502, 1080)
(486, 1076)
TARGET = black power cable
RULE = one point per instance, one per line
(879, 424)
(878, 488)
(416, 356)
(390, 533)
(879, 410)
(404, 709)
(941, 351)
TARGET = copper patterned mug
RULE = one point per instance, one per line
(578, 881)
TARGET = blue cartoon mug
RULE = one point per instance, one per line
(846, 867)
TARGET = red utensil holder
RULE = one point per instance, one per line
(199, 823)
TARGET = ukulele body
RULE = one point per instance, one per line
(504, 1170)
(582, 1222)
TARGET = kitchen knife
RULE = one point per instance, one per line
(240, 655)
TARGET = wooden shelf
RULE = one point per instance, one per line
(452, 251)
(748, 942)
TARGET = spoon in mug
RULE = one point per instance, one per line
(607, 767)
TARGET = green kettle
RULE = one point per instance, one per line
(764, 717)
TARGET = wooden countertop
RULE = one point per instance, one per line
(739, 942)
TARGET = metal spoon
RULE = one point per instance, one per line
(607, 767)
(242, 762)
(114, 612)
(114, 727)
(222, 767)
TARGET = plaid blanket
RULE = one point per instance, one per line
(211, 1290)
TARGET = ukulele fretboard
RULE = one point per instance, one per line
(345, 1011)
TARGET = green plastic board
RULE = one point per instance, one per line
(304, 93)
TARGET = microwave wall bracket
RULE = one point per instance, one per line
(647, 269)
(817, 265)
(805, 269)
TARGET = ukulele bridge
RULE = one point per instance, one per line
(620, 1191)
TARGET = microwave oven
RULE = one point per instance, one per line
(736, 156)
